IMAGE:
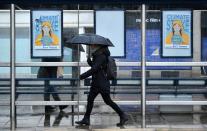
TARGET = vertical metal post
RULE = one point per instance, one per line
(12, 68)
(78, 84)
(143, 98)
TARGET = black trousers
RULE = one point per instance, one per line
(107, 99)
(50, 89)
(50, 72)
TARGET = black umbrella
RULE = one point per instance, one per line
(89, 39)
(72, 46)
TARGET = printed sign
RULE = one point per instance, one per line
(47, 33)
(176, 32)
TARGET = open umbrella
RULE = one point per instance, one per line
(72, 46)
(89, 39)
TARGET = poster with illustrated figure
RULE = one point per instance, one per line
(176, 33)
(46, 33)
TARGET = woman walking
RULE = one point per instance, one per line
(100, 83)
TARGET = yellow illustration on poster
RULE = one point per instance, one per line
(47, 30)
(46, 33)
(177, 29)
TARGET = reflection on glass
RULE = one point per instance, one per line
(57, 120)
(50, 72)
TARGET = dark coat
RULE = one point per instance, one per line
(99, 82)
(49, 71)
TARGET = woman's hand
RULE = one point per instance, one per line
(89, 61)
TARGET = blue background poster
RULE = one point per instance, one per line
(46, 33)
(176, 34)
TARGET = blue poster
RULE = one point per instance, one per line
(46, 33)
(176, 33)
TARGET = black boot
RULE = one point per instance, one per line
(123, 119)
(84, 121)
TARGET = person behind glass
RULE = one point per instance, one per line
(100, 83)
(50, 72)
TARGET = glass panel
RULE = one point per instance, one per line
(168, 30)
(46, 83)
(127, 86)
(171, 29)
(4, 71)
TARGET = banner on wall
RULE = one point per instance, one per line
(176, 33)
(46, 33)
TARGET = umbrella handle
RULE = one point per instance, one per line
(89, 53)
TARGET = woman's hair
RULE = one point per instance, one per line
(48, 24)
(177, 22)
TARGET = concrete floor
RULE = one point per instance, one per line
(103, 118)
(33, 118)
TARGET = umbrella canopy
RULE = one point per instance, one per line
(72, 46)
(90, 39)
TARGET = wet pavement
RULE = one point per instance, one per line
(103, 118)
(34, 118)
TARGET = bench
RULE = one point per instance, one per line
(118, 86)
(36, 86)
(157, 85)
